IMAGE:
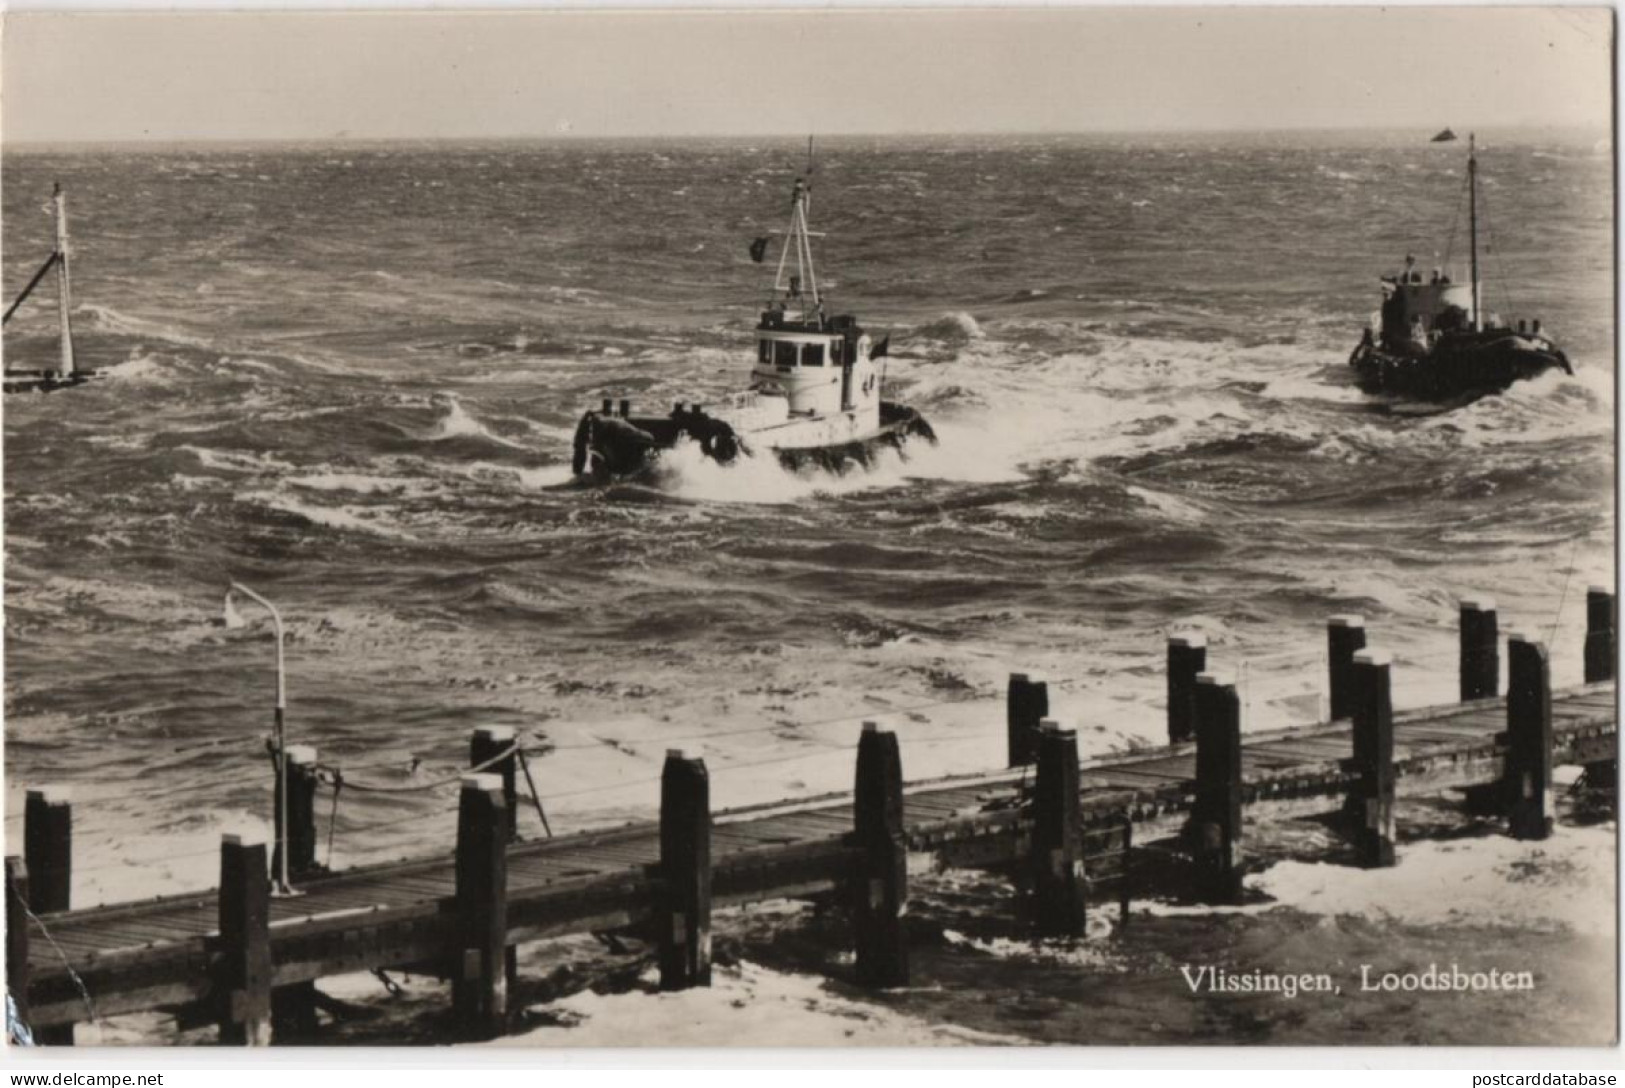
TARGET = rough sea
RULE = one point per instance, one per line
(348, 375)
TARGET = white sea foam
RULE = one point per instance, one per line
(1091, 951)
(748, 1003)
(355, 481)
(1566, 881)
(534, 479)
(457, 423)
(345, 518)
(238, 461)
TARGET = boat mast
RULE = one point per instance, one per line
(64, 284)
(806, 277)
(1472, 220)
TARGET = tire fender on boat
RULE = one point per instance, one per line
(720, 443)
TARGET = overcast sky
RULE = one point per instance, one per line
(494, 74)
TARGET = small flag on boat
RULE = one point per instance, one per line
(758, 249)
(882, 348)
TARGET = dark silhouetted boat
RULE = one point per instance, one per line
(1433, 343)
(814, 397)
(1445, 137)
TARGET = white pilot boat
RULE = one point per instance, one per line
(814, 397)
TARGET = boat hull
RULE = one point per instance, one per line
(611, 447)
(43, 381)
(1456, 369)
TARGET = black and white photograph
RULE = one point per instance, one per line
(844, 527)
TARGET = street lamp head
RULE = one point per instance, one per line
(229, 614)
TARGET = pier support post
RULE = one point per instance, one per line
(1216, 814)
(1028, 705)
(1372, 797)
(245, 944)
(486, 743)
(17, 935)
(479, 988)
(1345, 637)
(1601, 649)
(301, 837)
(48, 858)
(685, 873)
(1060, 889)
(881, 888)
(1601, 623)
(48, 848)
(1480, 649)
(1527, 779)
(1187, 658)
(293, 1008)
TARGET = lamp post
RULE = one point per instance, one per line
(232, 619)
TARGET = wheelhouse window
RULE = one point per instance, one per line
(784, 354)
(812, 355)
(764, 351)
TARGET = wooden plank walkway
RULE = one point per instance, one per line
(156, 954)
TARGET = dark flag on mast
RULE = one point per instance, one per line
(882, 348)
(758, 249)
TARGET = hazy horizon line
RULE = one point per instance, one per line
(667, 137)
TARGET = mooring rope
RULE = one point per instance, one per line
(1568, 577)
(536, 796)
(84, 992)
(420, 787)
(16, 1030)
(333, 813)
(33, 283)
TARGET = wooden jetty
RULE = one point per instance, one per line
(1066, 831)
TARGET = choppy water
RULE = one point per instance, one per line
(348, 377)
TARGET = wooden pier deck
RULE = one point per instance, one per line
(158, 953)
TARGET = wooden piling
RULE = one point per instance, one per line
(48, 858)
(1601, 652)
(1527, 778)
(17, 935)
(1480, 649)
(301, 835)
(479, 989)
(1027, 705)
(48, 848)
(1216, 812)
(293, 1008)
(486, 743)
(244, 964)
(880, 889)
(1060, 888)
(685, 873)
(1345, 637)
(1187, 658)
(1125, 879)
(1601, 623)
(1371, 799)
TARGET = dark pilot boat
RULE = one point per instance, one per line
(65, 369)
(814, 396)
(1433, 343)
